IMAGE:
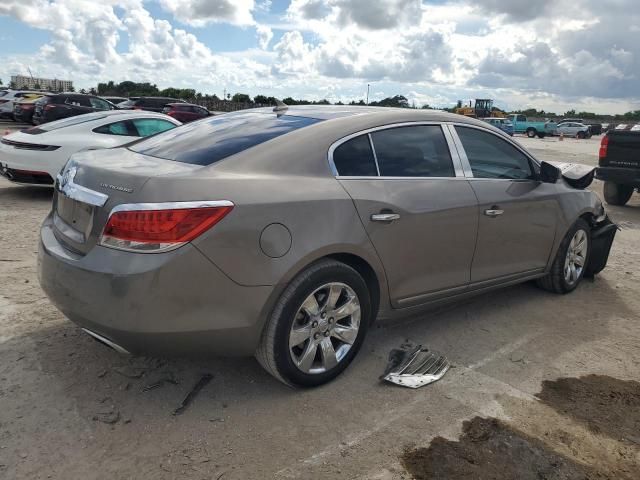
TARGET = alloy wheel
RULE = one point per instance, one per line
(325, 328)
(576, 257)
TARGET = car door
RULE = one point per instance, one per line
(416, 206)
(517, 213)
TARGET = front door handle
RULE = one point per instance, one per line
(493, 212)
(384, 217)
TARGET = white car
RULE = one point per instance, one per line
(36, 155)
(8, 99)
(574, 129)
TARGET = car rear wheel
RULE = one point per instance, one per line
(616, 194)
(531, 133)
(571, 260)
(317, 325)
(542, 135)
(581, 135)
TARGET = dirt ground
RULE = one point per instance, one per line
(548, 381)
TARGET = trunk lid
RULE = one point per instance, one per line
(93, 182)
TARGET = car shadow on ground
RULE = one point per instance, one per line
(467, 332)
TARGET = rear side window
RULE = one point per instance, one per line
(493, 157)
(118, 128)
(354, 158)
(150, 126)
(209, 141)
(419, 151)
(99, 104)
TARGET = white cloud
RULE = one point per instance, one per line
(201, 12)
(264, 35)
(434, 53)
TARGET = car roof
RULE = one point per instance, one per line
(185, 104)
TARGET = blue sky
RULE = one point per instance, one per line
(434, 52)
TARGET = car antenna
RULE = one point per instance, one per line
(280, 106)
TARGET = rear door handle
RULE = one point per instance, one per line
(493, 212)
(384, 217)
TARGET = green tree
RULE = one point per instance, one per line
(12, 85)
(36, 86)
(241, 98)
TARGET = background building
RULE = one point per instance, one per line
(52, 85)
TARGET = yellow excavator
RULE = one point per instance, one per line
(483, 108)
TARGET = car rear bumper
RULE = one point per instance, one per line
(621, 176)
(172, 303)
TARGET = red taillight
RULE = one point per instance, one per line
(604, 145)
(50, 106)
(161, 229)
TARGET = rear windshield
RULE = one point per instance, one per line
(208, 141)
(65, 122)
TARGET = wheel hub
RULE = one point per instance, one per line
(576, 257)
(325, 327)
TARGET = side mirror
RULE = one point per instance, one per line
(549, 173)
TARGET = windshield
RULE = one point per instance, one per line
(210, 140)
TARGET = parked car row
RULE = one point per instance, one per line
(42, 107)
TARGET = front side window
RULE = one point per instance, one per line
(150, 126)
(493, 157)
(416, 151)
(99, 104)
(354, 158)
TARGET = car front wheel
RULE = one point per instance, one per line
(317, 325)
(571, 260)
(531, 133)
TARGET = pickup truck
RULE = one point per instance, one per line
(532, 129)
(619, 165)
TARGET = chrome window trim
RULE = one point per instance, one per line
(375, 155)
(501, 135)
(455, 159)
(128, 207)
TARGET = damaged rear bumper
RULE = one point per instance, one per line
(602, 237)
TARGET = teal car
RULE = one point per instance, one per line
(532, 129)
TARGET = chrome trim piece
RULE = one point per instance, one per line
(107, 342)
(67, 230)
(462, 155)
(66, 185)
(368, 132)
(375, 155)
(419, 367)
(128, 207)
(385, 217)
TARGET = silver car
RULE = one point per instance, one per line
(284, 234)
(574, 129)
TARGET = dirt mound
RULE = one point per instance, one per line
(606, 405)
(491, 450)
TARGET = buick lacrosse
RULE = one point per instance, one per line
(284, 233)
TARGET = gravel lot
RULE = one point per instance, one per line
(544, 385)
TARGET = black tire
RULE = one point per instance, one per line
(581, 135)
(616, 194)
(555, 280)
(542, 135)
(531, 132)
(273, 352)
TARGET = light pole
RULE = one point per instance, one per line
(367, 94)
